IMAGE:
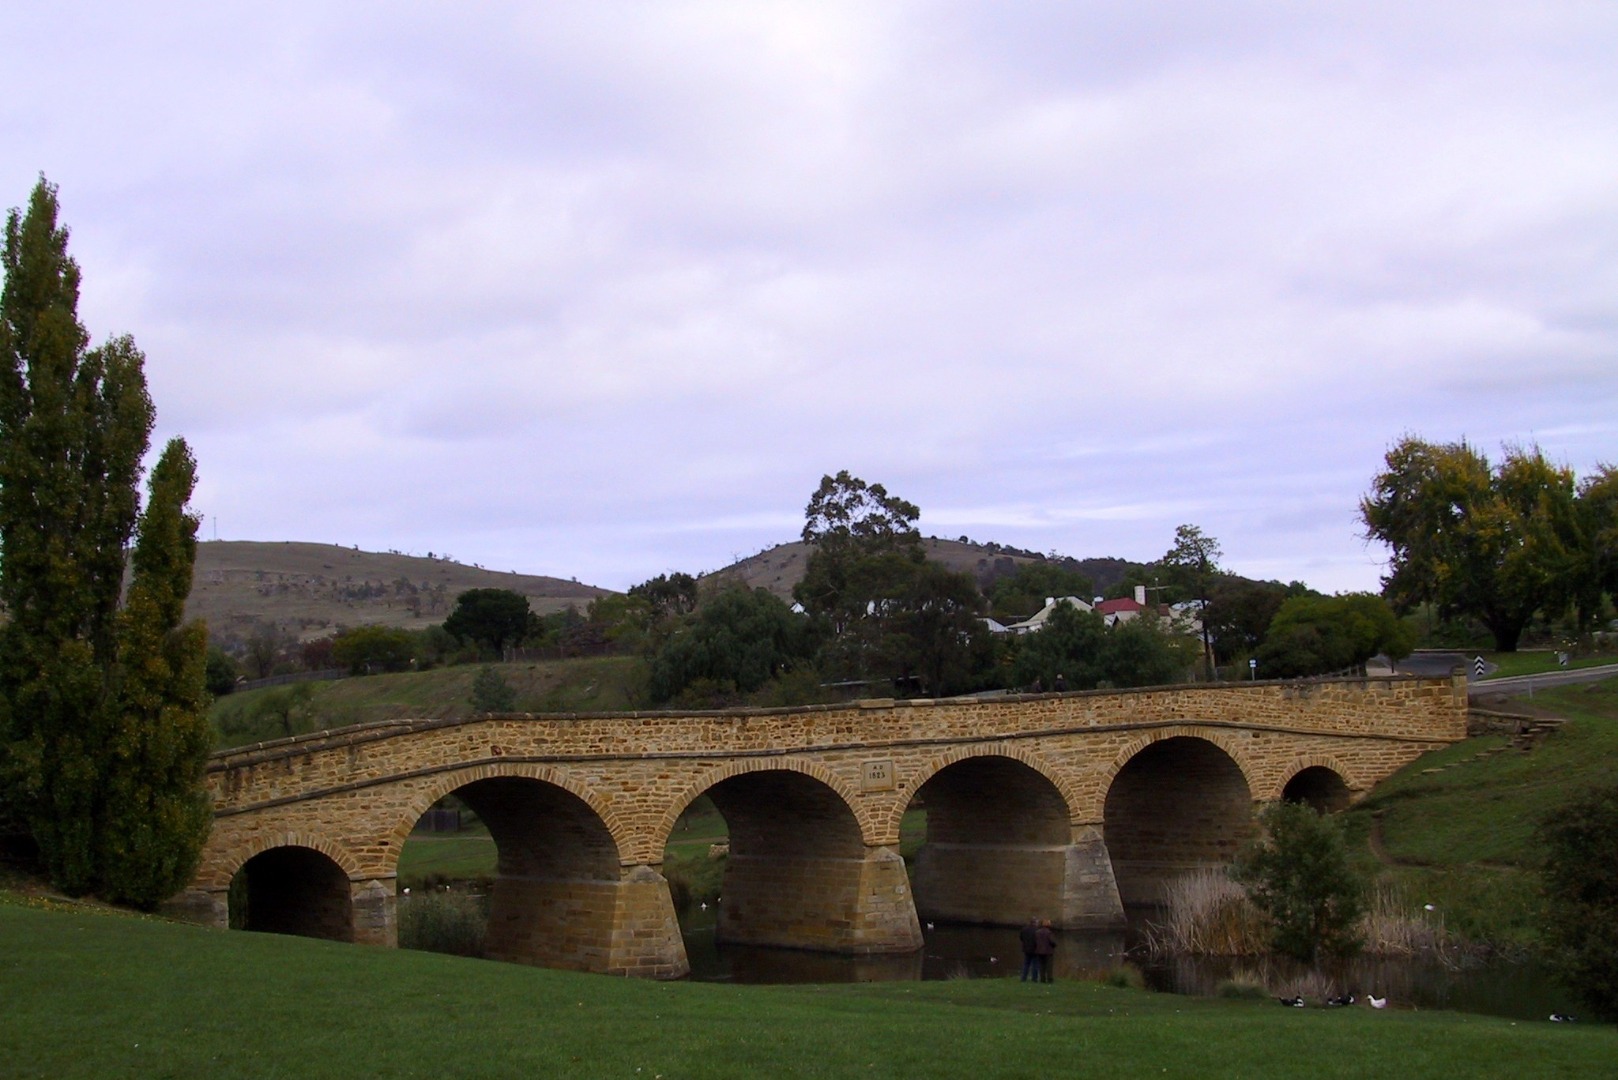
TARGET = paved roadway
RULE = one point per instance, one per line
(1521, 684)
(1435, 664)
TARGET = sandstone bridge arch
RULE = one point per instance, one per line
(1072, 804)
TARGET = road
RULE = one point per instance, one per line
(1523, 684)
(1435, 664)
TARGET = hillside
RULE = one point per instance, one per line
(311, 590)
(781, 567)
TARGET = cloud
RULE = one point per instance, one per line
(604, 289)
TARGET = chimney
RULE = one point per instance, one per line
(1140, 595)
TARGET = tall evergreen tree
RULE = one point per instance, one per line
(154, 815)
(74, 425)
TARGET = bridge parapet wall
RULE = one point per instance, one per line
(1397, 708)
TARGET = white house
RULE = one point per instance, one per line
(1036, 622)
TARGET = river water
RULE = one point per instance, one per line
(1521, 990)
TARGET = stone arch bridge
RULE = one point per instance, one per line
(1069, 804)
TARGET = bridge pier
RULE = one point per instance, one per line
(1004, 884)
(199, 905)
(858, 905)
(376, 912)
(625, 926)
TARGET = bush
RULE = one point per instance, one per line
(368, 650)
(1580, 879)
(491, 693)
(1297, 874)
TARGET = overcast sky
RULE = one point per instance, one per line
(601, 290)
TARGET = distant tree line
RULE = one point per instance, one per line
(873, 616)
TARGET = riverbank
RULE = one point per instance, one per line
(1455, 829)
(97, 995)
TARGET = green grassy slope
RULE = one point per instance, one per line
(99, 996)
(592, 684)
(1457, 825)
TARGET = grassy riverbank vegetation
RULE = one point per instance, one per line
(1456, 828)
(114, 996)
(1447, 844)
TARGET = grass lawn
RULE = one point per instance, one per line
(111, 996)
(1536, 661)
(590, 684)
(1461, 820)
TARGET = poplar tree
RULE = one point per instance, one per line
(155, 815)
(75, 423)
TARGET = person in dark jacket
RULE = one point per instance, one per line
(1045, 949)
(1030, 960)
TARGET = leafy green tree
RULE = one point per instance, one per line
(1239, 613)
(277, 713)
(738, 640)
(1597, 575)
(668, 595)
(155, 812)
(1140, 652)
(629, 621)
(1193, 562)
(1498, 544)
(491, 693)
(371, 650)
(1297, 873)
(937, 631)
(1316, 635)
(1026, 590)
(1071, 644)
(861, 537)
(1580, 883)
(493, 618)
(95, 705)
(222, 672)
(1079, 647)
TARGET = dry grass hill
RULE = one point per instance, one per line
(779, 568)
(312, 590)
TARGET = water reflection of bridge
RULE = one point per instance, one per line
(1071, 804)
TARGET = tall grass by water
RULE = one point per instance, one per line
(1205, 913)
(443, 920)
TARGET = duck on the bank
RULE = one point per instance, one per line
(1563, 1018)
(1292, 1002)
(1342, 999)
(1377, 1002)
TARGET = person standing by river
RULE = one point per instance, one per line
(1045, 950)
(1030, 959)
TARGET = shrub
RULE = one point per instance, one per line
(1297, 874)
(1580, 880)
(491, 693)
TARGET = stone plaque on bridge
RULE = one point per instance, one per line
(876, 776)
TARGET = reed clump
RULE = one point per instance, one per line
(443, 921)
(1205, 913)
(1394, 926)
